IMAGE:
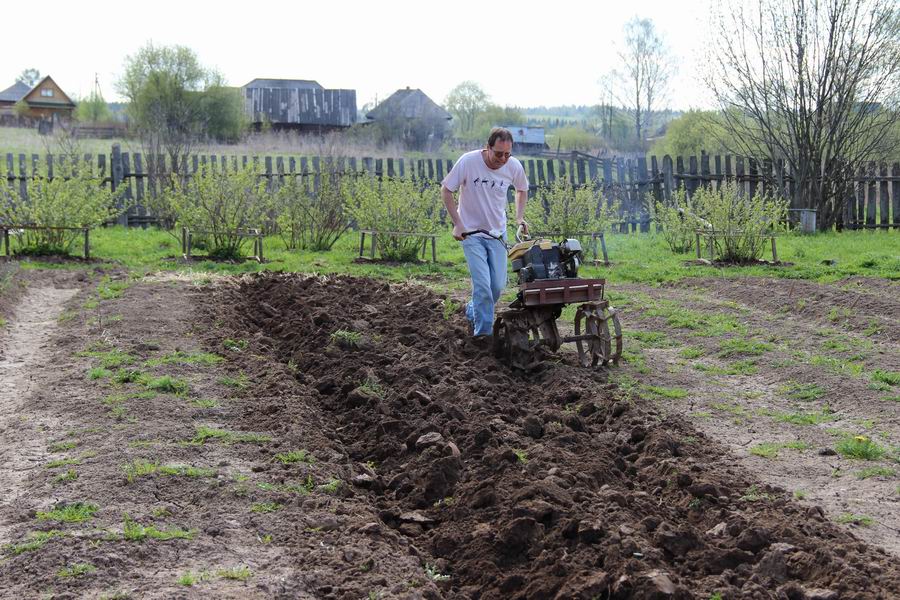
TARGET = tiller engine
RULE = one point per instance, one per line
(548, 280)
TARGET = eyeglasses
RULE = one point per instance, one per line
(500, 155)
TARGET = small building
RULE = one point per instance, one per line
(299, 105)
(412, 117)
(527, 139)
(46, 101)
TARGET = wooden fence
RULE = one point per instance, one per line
(874, 203)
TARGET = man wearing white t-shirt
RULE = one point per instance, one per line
(482, 178)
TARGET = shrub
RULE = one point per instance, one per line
(224, 203)
(73, 198)
(566, 210)
(739, 220)
(679, 220)
(398, 205)
(314, 214)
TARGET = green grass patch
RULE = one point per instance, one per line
(135, 532)
(692, 352)
(111, 359)
(235, 345)
(203, 434)
(887, 377)
(804, 391)
(346, 339)
(876, 472)
(264, 507)
(69, 513)
(240, 382)
(740, 367)
(236, 573)
(650, 339)
(62, 446)
(859, 447)
(806, 418)
(123, 376)
(205, 403)
(771, 449)
(68, 476)
(190, 578)
(62, 462)
(76, 570)
(110, 290)
(96, 373)
(167, 385)
(851, 519)
(178, 357)
(665, 392)
(34, 541)
(294, 456)
(743, 347)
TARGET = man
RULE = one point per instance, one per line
(482, 178)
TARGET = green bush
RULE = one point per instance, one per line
(678, 220)
(224, 203)
(73, 198)
(565, 210)
(314, 219)
(397, 205)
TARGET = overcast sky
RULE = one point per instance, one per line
(522, 53)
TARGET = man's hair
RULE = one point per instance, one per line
(499, 133)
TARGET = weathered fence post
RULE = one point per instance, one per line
(117, 170)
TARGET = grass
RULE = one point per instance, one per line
(804, 391)
(665, 392)
(62, 446)
(876, 472)
(34, 541)
(240, 382)
(69, 513)
(167, 385)
(110, 359)
(76, 570)
(178, 357)
(62, 462)
(236, 573)
(692, 352)
(890, 378)
(264, 507)
(135, 532)
(69, 475)
(235, 345)
(771, 449)
(743, 347)
(650, 339)
(346, 339)
(859, 447)
(204, 433)
(806, 418)
(521, 455)
(96, 373)
(294, 456)
(205, 403)
(851, 519)
(740, 367)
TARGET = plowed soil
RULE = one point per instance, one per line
(354, 443)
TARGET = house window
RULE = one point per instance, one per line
(46, 93)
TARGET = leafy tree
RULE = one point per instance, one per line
(313, 215)
(693, 133)
(93, 109)
(573, 138)
(495, 116)
(29, 77)
(464, 102)
(223, 110)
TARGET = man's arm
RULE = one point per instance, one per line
(521, 199)
(450, 204)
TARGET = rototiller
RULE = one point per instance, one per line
(548, 281)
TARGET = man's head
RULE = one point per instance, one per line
(499, 147)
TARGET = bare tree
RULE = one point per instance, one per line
(813, 83)
(641, 82)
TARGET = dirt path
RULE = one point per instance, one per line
(23, 446)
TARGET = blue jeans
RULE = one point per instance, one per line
(487, 264)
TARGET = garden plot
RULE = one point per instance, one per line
(336, 437)
(801, 381)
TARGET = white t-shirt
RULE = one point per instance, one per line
(482, 191)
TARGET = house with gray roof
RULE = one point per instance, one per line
(413, 117)
(298, 105)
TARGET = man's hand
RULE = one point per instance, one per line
(523, 228)
(458, 232)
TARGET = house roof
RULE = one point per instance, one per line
(526, 135)
(284, 84)
(15, 92)
(38, 101)
(409, 103)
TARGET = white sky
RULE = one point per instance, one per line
(522, 53)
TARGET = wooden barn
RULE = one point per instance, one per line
(46, 101)
(415, 117)
(299, 105)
